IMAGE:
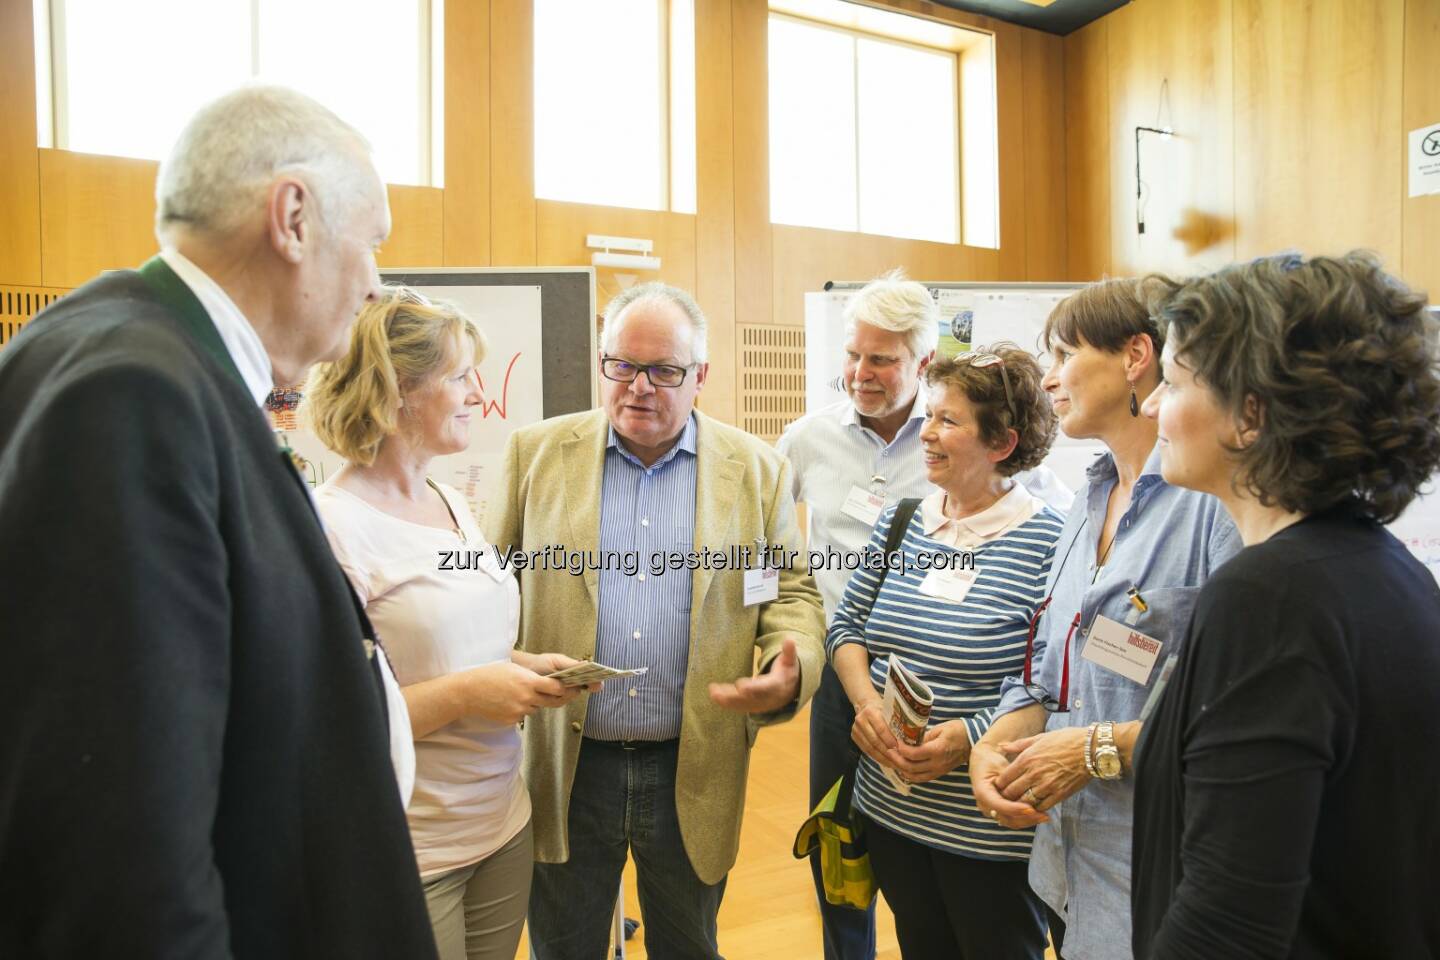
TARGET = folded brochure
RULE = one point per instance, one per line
(907, 703)
(587, 671)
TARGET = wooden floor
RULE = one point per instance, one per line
(769, 912)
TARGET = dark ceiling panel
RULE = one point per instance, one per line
(1060, 17)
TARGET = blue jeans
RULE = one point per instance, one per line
(623, 801)
(849, 933)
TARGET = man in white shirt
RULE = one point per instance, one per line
(196, 761)
(850, 460)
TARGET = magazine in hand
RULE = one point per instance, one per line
(907, 702)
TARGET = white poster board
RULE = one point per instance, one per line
(511, 379)
(969, 314)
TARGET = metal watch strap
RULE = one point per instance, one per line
(1105, 743)
(1090, 753)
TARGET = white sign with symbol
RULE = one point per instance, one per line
(1425, 160)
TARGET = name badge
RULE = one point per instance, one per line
(1123, 649)
(762, 585)
(863, 506)
(949, 585)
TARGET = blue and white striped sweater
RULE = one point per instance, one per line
(963, 652)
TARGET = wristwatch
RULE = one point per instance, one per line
(1107, 755)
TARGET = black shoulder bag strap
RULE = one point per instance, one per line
(899, 523)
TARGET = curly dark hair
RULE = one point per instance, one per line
(1033, 419)
(1339, 357)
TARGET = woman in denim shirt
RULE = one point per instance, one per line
(1127, 570)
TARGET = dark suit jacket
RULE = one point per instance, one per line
(193, 750)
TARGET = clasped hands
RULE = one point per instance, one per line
(944, 747)
(1017, 781)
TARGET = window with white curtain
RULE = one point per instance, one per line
(123, 76)
(863, 132)
(615, 102)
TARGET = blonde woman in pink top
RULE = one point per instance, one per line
(402, 395)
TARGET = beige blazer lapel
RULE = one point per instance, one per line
(718, 477)
(584, 464)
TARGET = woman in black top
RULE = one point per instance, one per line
(1286, 785)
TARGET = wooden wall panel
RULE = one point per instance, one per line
(805, 258)
(716, 280)
(560, 241)
(1010, 117)
(467, 134)
(1043, 89)
(1170, 66)
(753, 254)
(417, 233)
(512, 133)
(19, 164)
(1317, 125)
(1421, 255)
(98, 213)
(1087, 153)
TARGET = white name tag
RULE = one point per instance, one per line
(863, 506)
(1123, 649)
(761, 586)
(949, 585)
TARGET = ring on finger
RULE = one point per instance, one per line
(1031, 797)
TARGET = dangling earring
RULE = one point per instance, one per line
(1134, 403)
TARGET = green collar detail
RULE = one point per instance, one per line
(174, 293)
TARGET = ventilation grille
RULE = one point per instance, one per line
(772, 378)
(19, 304)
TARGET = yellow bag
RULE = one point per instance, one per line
(844, 857)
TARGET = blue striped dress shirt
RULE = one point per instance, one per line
(644, 620)
(963, 652)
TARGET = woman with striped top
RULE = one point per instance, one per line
(955, 880)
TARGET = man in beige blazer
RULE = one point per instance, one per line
(635, 509)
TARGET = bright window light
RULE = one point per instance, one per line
(863, 132)
(682, 106)
(909, 184)
(326, 50)
(128, 75)
(602, 102)
(981, 163)
(812, 126)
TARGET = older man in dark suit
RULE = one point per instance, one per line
(194, 760)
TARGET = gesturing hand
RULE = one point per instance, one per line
(776, 688)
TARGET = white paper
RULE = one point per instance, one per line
(863, 506)
(587, 672)
(1122, 649)
(950, 586)
(762, 585)
(1425, 160)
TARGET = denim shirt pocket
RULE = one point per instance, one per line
(1167, 619)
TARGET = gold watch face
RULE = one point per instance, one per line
(1108, 763)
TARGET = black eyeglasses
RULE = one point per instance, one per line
(659, 374)
(982, 360)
